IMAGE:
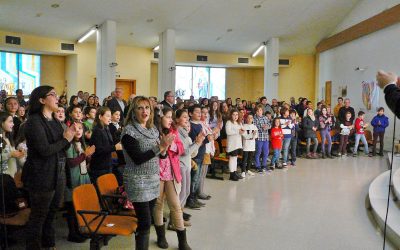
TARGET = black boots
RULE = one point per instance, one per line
(161, 240)
(183, 245)
(73, 230)
(233, 176)
(142, 240)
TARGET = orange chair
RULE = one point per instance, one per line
(95, 222)
(107, 185)
(368, 136)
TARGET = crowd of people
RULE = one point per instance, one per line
(163, 150)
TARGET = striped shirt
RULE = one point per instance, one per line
(260, 122)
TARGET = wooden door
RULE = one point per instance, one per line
(328, 93)
(128, 86)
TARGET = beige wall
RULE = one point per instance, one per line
(298, 79)
(136, 63)
(53, 72)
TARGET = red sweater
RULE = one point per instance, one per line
(276, 138)
(359, 125)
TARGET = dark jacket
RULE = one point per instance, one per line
(46, 156)
(102, 139)
(166, 104)
(384, 122)
(392, 98)
(307, 127)
(114, 105)
(342, 114)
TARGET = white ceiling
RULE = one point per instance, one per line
(199, 24)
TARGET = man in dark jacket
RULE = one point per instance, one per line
(169, 99)
(390, 84)
(346, 108)
(117, 103)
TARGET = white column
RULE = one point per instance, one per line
(105, 52)
(166, 63)
(271, 68)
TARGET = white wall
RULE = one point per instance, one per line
(379, 50)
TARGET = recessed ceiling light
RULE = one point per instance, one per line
(131, 34)
(55, 5)
(150, 20)
(257, 6)
(218, 38)
(229, 30)
(38, 14)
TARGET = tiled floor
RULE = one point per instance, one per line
(320, 204)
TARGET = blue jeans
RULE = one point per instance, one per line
(309, 145)
(262, 147)
(363, 140)
(325, 135)
(195, 177)
(275, 157)
(285, 148)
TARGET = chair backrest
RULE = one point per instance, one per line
(107, 184)
(217, 149)
(85, 197)
(319, 138)
(223, 142)
(368, 135)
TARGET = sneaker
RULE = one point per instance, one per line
(354, 155)
(284, 164)
(339, 155)
(260, 171)
(243, 174)
(293, 164)
(249, 173)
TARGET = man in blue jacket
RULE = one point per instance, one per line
(380, 123)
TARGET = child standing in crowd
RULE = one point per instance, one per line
(190, 150)
(360, 126)
(380, 122)
(276, 141)
(210, 150)
(195, 129)
(293, 140)
(249, 145)
(325, 124)
(60, 115)
(346, 128)
(90, 114)
(101, 160)
(75, 115)
(115, 131)
(76, 173)
(9, 154)
(170, 179)
(263, 124)
(310, 126)
(234, 143)
(286, 125)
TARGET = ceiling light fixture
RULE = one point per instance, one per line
(257, 6)
(150, 20)
(55, 5)
(156, 48)
(258, 50)
(87, 34)
(229, 30)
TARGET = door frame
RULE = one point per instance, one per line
(133, 84)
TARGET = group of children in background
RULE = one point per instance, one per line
(251, 137)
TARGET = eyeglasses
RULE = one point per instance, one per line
(141, 108)
(52, 94)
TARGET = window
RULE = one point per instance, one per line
(200, 82)
(19, 71)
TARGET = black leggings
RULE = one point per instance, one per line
(144, 212)
(248, 157)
